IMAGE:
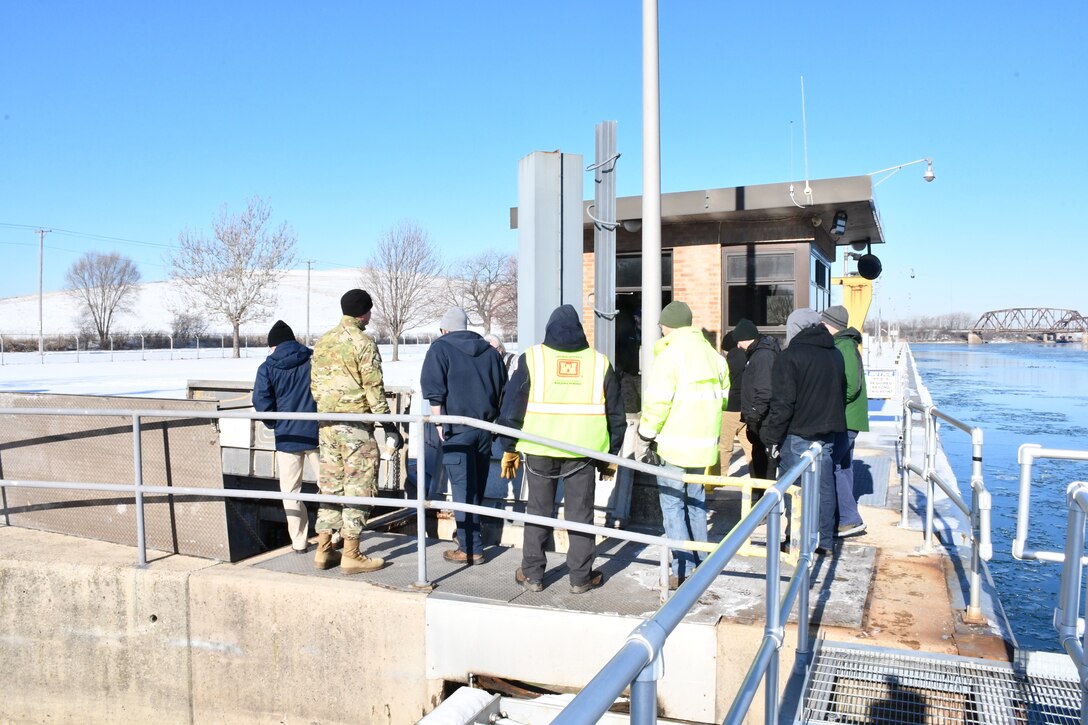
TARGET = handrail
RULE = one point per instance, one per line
(639, 661)
(1026, 456)
(978, 511)
(1067, 620)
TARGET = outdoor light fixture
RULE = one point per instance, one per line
(816, 221)
(928, 175)
(838, 225)
(632, 225)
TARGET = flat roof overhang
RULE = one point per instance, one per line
(761, 213)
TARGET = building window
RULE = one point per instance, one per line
(629, 278)
(760, 287)
(819, 293)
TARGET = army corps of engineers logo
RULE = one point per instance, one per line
(568, 367)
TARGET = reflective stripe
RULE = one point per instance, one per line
(565, 408)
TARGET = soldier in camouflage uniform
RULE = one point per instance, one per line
(346, 377)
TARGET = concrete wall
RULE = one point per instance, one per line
(87, 636)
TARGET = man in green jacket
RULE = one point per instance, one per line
(847, 341)
(687, 387)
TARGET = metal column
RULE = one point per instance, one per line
(604, 241)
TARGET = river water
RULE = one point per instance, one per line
(1017, 393)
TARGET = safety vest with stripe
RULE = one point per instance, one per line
(682, 406)
(566, 400)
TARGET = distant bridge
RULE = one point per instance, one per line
(1045, 321)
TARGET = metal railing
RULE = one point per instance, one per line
(139, 490)
(1067, 620)
(978, 510)
(639, 663)
(1026, 456)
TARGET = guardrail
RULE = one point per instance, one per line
(979, 509)
(639, 662)
(1026, 456)
(1067, 620)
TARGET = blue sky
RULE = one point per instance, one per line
(134, 121)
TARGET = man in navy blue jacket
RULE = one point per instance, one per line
(463, 375)
(283, 386)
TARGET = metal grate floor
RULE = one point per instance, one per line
(849, 684)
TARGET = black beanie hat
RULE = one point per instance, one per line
(355, 303)
(745, 330)
(280, 332)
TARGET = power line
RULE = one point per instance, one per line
(89, 235)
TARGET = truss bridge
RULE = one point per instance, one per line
(1049, 323)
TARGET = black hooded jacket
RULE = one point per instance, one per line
(563, 333)
(809, 384)
(755, 390)
(283, 386)
(463, 375)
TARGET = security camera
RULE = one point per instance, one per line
(929, 175)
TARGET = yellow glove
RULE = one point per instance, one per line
(607, 471)
(510, 464)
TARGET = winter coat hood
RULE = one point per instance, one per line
(817, 336)
(564, 330)
(466, 341)
(850, 333)
(288, 355)
(763, 342)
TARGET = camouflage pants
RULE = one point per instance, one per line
(349, 467)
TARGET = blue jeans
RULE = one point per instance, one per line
(843, 458)
(467, 459)
(792, 448)
(683, 508)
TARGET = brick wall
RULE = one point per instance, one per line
(697, 280)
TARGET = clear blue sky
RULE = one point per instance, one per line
(136, 120)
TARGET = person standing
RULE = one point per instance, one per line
(755, 392)
(283, 386)
(346, 377)
(733, 428)
(681, 421)
(463, 374)
(807, 407)
(848, 340)
(566, 391)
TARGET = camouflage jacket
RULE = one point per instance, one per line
(346, 371)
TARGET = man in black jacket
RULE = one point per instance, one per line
(464, 375)
(563, 373)
(283, 386)
(808, 406)
(755, 392)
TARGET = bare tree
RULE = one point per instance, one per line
(234, 274)
(506, 314)
(476, 284)
(107, 284)
(401, 276)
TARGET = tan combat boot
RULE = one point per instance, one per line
(353, 562)
(326, 557)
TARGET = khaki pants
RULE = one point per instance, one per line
(289, 465)
(732, 427)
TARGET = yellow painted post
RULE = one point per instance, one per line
(857, 295)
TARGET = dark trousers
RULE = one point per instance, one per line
(762, 466)
(466, 457)
(542, 474)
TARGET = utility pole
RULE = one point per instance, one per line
(308, 263)
(41, 326)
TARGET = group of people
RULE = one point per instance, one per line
(562, 391)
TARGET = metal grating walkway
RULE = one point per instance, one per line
(852, 684)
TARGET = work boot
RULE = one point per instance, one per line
(327, 556)
(353, 562)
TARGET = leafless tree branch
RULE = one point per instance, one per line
(107, 284)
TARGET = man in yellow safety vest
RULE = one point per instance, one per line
(681, 422)
(566, 391)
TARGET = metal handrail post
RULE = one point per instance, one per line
(1067, 614)
(930, 469)
(421, 511)
(772, 630)
(644, 692)
(904, 472)
(980, 529)
(808, 484)
(664, 570)
(137, 486)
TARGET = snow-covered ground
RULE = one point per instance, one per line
(154, 375)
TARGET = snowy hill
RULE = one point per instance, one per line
(154, 308)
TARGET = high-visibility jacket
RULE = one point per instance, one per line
(687, 389)
(566, 400)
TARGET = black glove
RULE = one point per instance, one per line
(393, 438)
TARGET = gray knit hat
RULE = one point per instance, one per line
(837, 317)
(676, 314)
(455, 319)
(799, 320)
